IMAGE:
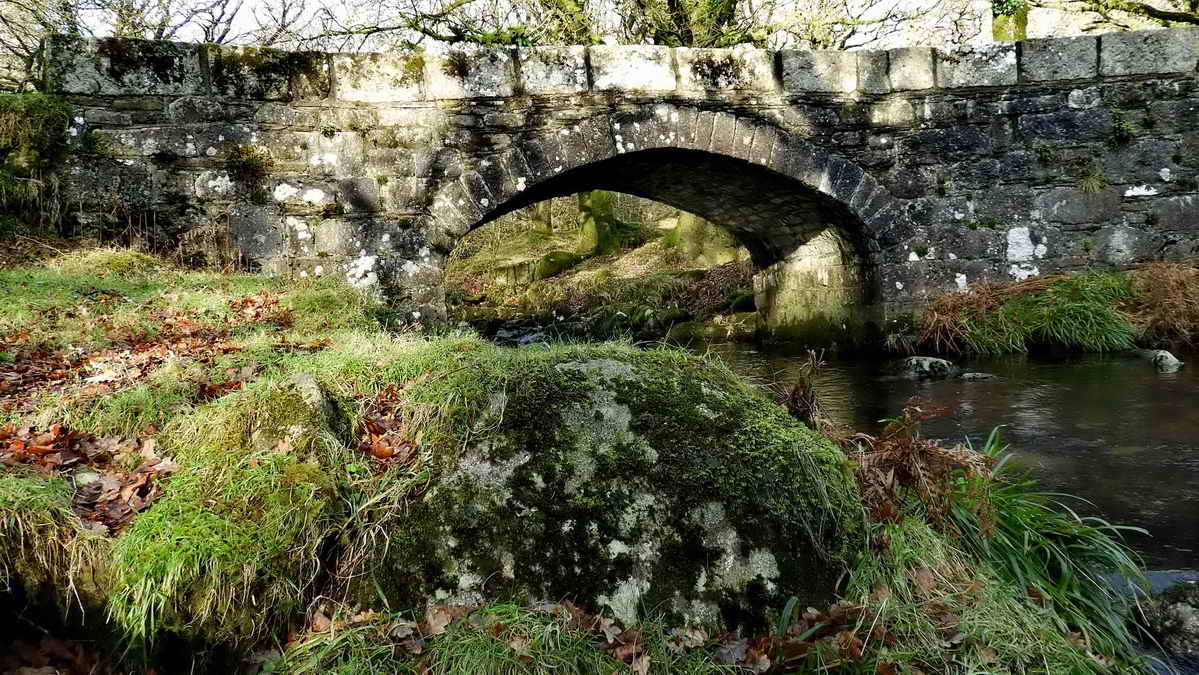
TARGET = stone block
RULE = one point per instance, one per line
(719, 69)
(873, 77)
(470, 72)
(819, 71)
(1170, 50)
(122, 67)
(638, 68)
(397, 76)
(1068, 125)
(553, 70)
(1075, 207)
(985, 66)
(895, 113)
(1045, 60)
(910, 68)
(267, 74)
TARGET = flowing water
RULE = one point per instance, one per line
(1109, 429)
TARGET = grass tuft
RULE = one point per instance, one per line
(1077, 312)
(125, 264)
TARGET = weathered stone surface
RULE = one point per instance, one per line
(825, 71)
(989, 66)
(1074, 207)
(373, 78)
(119, 67)
(925, 368)
(637, 68)
(1173, 617)
(462, 71)
(911, 68)
(1074, 58)
(629, 515)
(936, 185)
(873, 72)
(703, 70)
(266, 74)
(553, 70)
(1171, 50)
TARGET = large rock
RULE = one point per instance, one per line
(1161, 359)
(925, 368)
(1173, 617)
(637, 483)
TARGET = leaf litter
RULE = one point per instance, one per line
(114, 479)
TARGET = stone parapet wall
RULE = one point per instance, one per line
(944, 170)
(121, 67)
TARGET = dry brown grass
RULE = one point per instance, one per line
(944, 326)
(899, 466)
(1165, 307)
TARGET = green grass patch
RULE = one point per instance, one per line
(42, 543)
(1079, 312)
(1037, 541)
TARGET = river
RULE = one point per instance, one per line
(1106, 428)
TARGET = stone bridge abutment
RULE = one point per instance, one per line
(922, 171)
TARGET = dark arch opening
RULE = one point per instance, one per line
(769, 213)
(816, 280)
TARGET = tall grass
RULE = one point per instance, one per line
(1033, 539)
(1079, 312)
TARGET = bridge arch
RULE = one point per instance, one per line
(814, 224)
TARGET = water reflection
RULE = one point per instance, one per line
(1109, 429)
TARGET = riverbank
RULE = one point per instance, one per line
(1154, 306)
(237, 474)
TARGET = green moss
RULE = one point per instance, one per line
(33, 142)
(414, 68)
(243, 71)
(123, 56)
(42, 544)
(126, 264)
(231, 550)
(697, 436)
(248, 166)
(1122, 131)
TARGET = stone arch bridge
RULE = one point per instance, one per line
(909, 172)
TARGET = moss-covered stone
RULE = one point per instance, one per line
(642, 483)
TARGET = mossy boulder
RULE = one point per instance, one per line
(1173, 617)
(640, 483)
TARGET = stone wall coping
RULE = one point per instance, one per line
(126, 67)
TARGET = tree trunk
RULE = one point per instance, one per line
(596, 220)
(542, 216)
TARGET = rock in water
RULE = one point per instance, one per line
(1173, 616)
(925, 367)
(639, 483)
(1164, 361)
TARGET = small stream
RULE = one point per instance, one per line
(1107, 428)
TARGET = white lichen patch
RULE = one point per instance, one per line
(489, 479)
(315, 196)
(732, 571)
(626, 599)
(1023, 271)
(1019, 244)
(361, 273)
(284, 191)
